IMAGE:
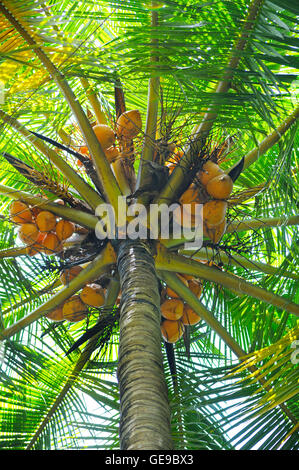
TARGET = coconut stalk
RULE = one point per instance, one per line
(13, 252)
(236, 260)
(94, 101)
(123, 167)
(87, 192)
(112, 293)
(243, 226)
(270, 140)
(265, 222)
(167, 261)
(144, 408)
(152, 108)
(183, 291)
(100, 265)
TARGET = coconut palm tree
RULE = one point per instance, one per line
(136, 339)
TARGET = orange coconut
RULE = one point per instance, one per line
(20, 213)
(172, 331)
(93, 295)
(36, 247)
(171, 293)
(64, 229)
(214, 233)
(74, 309)
(190, 317)
(195, 286)
(46, 221)
(69, 274)
(190, 195)
(172, 309)
(28, 233)
(105, 135)
(220, 187)
(214, 212)
(209, 171)
(51, 244)
(188, 215)
(56, 314)
(129, 124)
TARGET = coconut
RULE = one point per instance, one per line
(214, 212)
(46, 221)
(172, 309)
(74, 309)
(51, 244)
(28, 233)
(190, 317)
(129, 124)
(93, 295)
(105, 135)
(20, 213)
(220, 187)
(64, 229)
(56, 314)
(209, 170)
(172, 331)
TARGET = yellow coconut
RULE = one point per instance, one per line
(172, 331)
(51, 244)
(36, 247)
(28, 233)
(209, 171)
(172, 309)
(64, 229)
(214, 212)
(190, 317)
(93, 295)
(74, 309)
(105, 135)
(220, 187)
(20, 213)
(46, 221)
(56, 314)
(214, 233)
(129, 124)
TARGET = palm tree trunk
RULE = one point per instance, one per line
(144, 408)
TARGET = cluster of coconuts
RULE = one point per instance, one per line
(176, 314)
(40, 230)
(75, 308)
(217, 187)
(128, 126)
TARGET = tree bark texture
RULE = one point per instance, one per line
(144, 408)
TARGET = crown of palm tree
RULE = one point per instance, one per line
(212, 83)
